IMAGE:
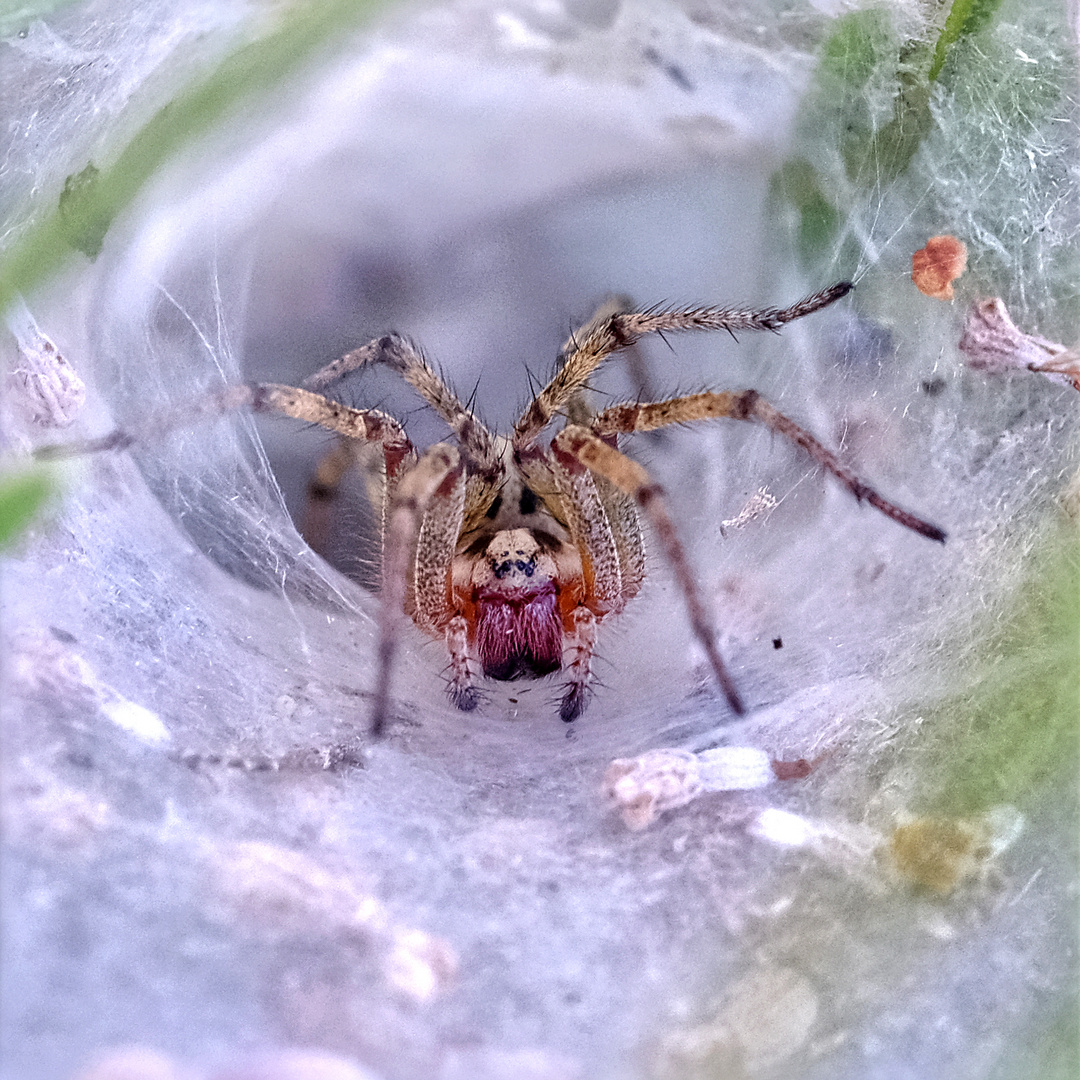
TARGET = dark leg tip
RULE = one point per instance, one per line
(734, 701)
(934, 533)
(466, 698)
(923, 528)
(574, 703)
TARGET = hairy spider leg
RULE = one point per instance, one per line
(477, 442)
(414, 540)
(581, 642)
(323, 488)
(632, 357)
(584, 353)
(590, 450)
(464, 670)
(430, 597)
(606, 533)
(423, 507)
(367, 425)
(438, 474)
(750, 405)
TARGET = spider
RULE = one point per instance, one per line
(510, 550)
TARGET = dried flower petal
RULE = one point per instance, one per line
(935, 267)
(659, 780)
(1066, 365)
(992, 342)
(645, 786)
(51, 391)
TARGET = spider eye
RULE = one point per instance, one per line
(501, 569)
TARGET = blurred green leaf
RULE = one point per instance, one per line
(886, 154)
(17, 15)
(22, 496)
(1016, 733)
(91, 207)
(798, 184)
(79, 190)
(965, 17)
(865, 64)
(858, 43)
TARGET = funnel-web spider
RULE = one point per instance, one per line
(510, 549)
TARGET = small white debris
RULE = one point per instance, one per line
(136, 719)
(766, 1018)
(933, 854)
(848, 846)
(288, 1064)
(758, 504)
(420, 964)
(1004, 824)
(770, 1014)
(285, 706)
(285, 891)
(282, 892)
(133, 1063)
(783, 828)
(40, 811)
(735, 768)
(646, 786)
(517, 34)
(42, 663)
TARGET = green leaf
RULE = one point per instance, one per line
(965, 17)
(1015, 735)
(889, 150)
(17, 15)
(858, 43)
(22, 496)
(78, 191)
(93, 204)
(797, 182)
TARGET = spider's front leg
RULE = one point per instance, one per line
(423, 522)
(578, 444)
(751, 406)
(581, 643)
(464, 671)
(591, 447)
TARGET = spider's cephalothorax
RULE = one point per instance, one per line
(510, 549)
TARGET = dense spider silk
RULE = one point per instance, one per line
(480, 186)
